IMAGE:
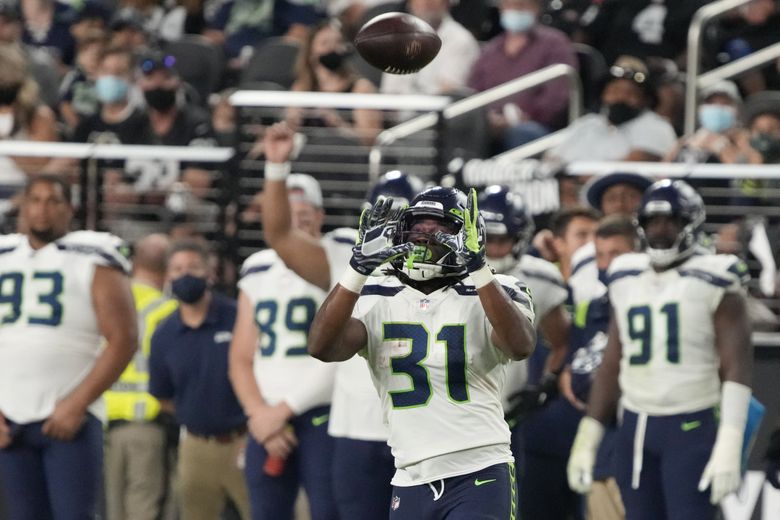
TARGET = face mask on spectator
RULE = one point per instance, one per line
(188, 288)
(8, 94)
(333, 60)
(768, 146)
(619, 113)
(161, 99)
(110, 89)
(517, 21)
(717, 118)
(6, 124)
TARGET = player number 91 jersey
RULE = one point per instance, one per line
(438, 374)
(49, 337)
(669, 363)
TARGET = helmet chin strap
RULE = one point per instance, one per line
(504, 264)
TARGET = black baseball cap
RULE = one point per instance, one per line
(594, 189)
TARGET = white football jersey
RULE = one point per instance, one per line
(439, 376)
(285, 305)
(669, 364)
(49, 337)
(584, 280)
(356, 411)
(548, 290)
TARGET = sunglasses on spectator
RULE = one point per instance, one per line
(619, 72)
(149, 65)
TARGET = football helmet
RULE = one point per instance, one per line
(676, 199)
(506, 213)
(401, 186)
(430, 259)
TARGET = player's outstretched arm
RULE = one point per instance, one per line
(513, 333)
(300, 252)
(334, 334)
(732, 341)
(601, 407)
(264, 421)
(114, 309)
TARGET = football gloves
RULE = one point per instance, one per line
(531, 398)
(723, 472)
(467, 243)
(374, 245)
(579, 470)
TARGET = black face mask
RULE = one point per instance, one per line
(8, 94)
(619, 113)
(189, 288)
(161, 99)
(768, 146)
(334, 60)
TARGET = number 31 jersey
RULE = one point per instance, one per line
(669, 363)
(439, 376)
(49, 337)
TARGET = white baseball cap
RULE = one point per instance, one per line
(725, 87)
(309, 187)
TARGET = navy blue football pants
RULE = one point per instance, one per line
(487, 494)
(310, 466)
(675, 450)
(44, 478)
(362, 471)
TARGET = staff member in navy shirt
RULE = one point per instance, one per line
(188, 371)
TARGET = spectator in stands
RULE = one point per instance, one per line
(188, 373)
(174, 121)
(323, 67)
(525, 46)
(640, 28)
(720, 138)
(90, 16)
(47, 26)
(42, 66)
(762, 117)
(748, 29)
(625, 129)
(23, 117)
(450, 69)
(128, 31)
(239, 24)
(78, 98)
(223, 118)
(117, 122)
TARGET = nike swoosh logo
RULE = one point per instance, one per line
(690, 425)
(478, 482)
(320, 419)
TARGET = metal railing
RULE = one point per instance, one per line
(703, 16)
(476, 101)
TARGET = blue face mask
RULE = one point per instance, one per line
(517, 21)
(717, 118)
(110, 89)
(188, 288)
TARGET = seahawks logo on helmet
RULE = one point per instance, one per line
(430, 259)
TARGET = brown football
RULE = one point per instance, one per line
(398, 43)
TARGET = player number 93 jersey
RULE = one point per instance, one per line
(49, 337)
(669, 363)
(438, 374)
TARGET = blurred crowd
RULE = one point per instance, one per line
(161, 73)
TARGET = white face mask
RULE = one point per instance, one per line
(6, 124)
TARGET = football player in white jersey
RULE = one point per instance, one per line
(285, 392)
(438, 332)
(679, 351)
(541, 438)
(67, 330)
